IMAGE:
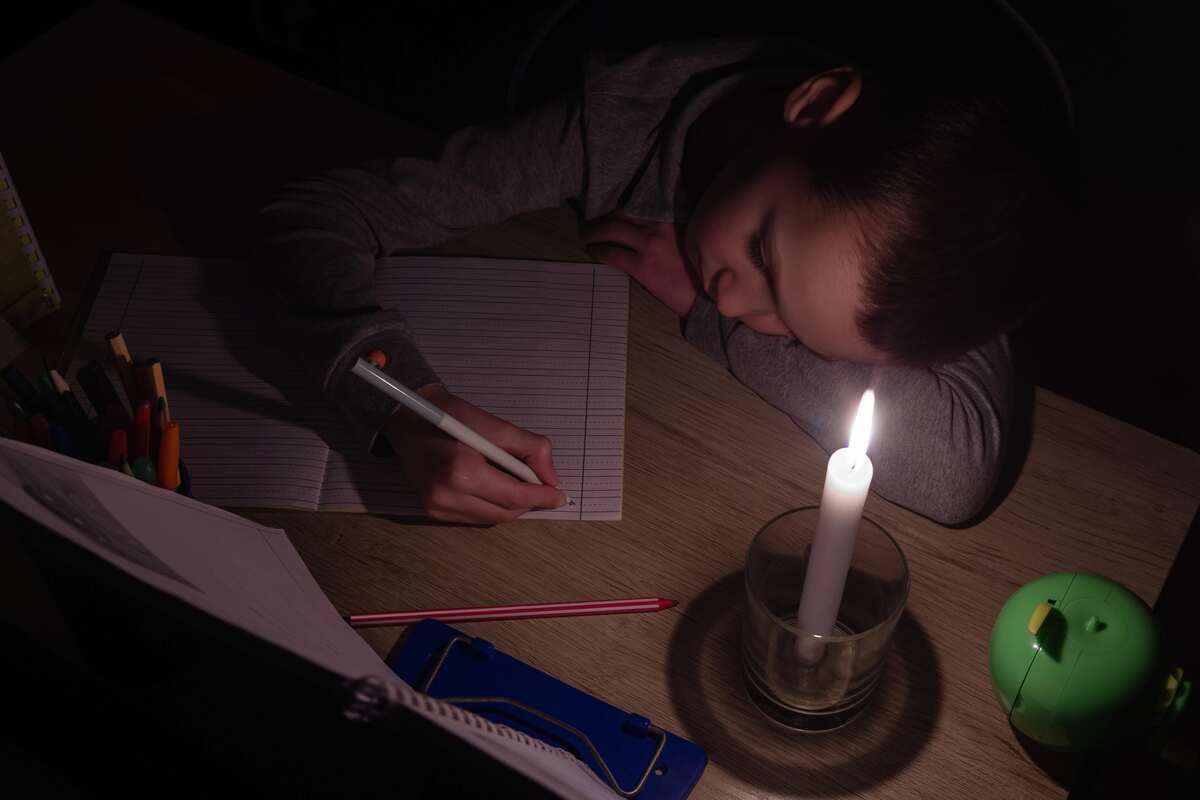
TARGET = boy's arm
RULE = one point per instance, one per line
(319, 240)
(938, 432)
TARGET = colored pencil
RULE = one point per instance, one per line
(123, 362)
(580, 608)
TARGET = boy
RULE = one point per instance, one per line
(818, 231)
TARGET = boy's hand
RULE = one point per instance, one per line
(651, 252)
(456, 483)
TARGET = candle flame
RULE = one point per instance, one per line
(860, 433)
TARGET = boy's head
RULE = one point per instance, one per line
(877, 225)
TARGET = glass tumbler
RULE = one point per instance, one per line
(805, 680)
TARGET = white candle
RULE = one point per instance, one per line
(847, 481)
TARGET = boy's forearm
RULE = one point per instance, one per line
(320, 238)
(940, 432)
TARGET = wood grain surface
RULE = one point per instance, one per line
(126, 133)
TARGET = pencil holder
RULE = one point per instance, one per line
(800, 679)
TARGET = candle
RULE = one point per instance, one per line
(847, 481)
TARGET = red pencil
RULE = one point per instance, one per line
(577, 608)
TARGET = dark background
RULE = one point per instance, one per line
(1118, 334)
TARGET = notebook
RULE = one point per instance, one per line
(541, 344)
(27, 291)
(249, 576)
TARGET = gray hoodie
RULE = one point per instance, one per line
(618, 144)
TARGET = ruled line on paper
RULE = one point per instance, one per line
(538, 343)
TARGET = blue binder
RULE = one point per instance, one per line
(636, 758)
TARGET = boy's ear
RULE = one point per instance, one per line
(823, 99)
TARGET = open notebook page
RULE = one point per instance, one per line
(539, 343)
(247, 575)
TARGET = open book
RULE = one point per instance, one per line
(248, 576)
(541, 344)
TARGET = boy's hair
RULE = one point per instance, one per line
(960, 199)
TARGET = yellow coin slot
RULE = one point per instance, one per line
(1038, 617)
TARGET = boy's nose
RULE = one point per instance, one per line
(729, 294)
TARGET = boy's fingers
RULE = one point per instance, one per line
(501, 489)
(616, 256)
(612, 229)
(534, 450)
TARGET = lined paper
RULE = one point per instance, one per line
(539, 343)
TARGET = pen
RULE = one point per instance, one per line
(443, 421)
(68, 397)
(626, 605)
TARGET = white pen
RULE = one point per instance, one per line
(443, 421)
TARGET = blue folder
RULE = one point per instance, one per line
(447, 664)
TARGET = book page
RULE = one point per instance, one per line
(239, 571)
(542, 344)
(247, 575)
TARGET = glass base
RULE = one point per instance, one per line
(797, 719)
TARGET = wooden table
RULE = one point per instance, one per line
(126, 133)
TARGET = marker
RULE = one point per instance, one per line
(168, 457)
(104, 398)
(50, 399)
(39, 431)
(24, 390)
(143, 469)
(59, 440)
(21, 430)
(156, 388)
(118, 448)
(68, 397)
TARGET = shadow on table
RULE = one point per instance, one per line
(716, 713)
